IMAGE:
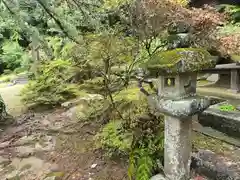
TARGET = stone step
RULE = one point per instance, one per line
(208, 131)
(215, 166)
(225, 121)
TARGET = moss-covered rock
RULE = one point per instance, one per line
(180, 60)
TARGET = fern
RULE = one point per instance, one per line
(145, 166)
(141, 164)
(131, 168)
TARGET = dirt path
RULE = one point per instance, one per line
(50, 146)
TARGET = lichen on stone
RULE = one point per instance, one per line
(179, 60)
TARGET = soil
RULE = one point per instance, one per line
(49, 145)
(43, 145)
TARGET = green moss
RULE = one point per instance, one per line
(235, 58)
(180, 60)
(131, 93)
(227, 107)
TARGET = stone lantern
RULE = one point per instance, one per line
(177, 100)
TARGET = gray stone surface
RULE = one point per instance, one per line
(184, 85)
(158, 177)
(215, 166)
(213, 78)
(217, 135)
(227, 122)
(177, 148)
(179, 108)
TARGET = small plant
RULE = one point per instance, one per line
(227, 107)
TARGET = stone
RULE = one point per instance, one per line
(25, 140)
(82, 100)
(180, 60)
(158, 177)
(181, 109)
(3, 160)
(93, 166)
(176, 99)
(238, 107)
(215, 166)
(25, 151)
(226, 121)
(203, 77)
(177, 148)
(213, 78)
(4, 144)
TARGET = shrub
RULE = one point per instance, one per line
(112, 139)
(11, 55)
(137, 133)
(52, 86)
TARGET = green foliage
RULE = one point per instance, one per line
(145, 166)
(233, 10)
(94, 85)
(112, 139)
(227, 107)
(137, 133)
(229, 29)
(111, 4)
(93, 110)
(52, 86)
(7, 77)
(12, 55)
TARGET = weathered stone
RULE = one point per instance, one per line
(226, 121)
(203, 76)
(180, 60)
(177, 149)
(81, 100)
(179, 108)
(213, 78)
(215, 166)
(238, 108)
(177, 100)
(158, 177)
(25, 151)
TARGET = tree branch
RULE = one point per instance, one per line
(58, 22)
